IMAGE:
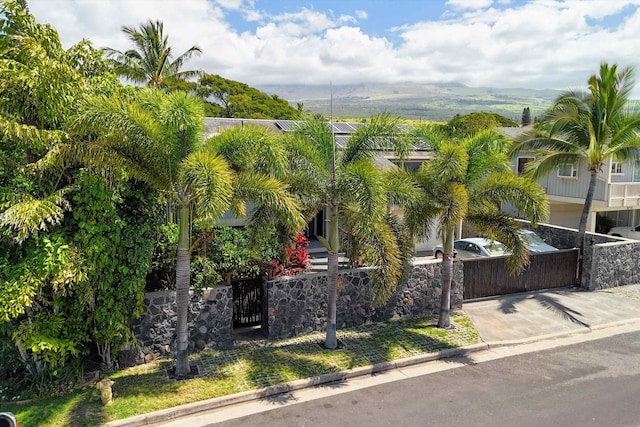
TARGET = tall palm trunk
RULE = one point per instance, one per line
(331, 341)
(582, 228)
(183, 266)
(444, 318)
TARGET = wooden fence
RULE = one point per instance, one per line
(485, 277)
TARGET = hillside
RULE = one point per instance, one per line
(439, 102)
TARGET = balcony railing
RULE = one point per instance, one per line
(624, 194)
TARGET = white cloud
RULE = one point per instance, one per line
(542, 44)
(469, 4)
(361, 14)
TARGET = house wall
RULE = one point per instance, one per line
(565, 214)
(628, 172)
(576, 187)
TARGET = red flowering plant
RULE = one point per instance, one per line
(297, 258)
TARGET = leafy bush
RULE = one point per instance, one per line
(297, 258)
(467, 125)
(163, 263)
(224, 250)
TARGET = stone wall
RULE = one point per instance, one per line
(611, 264)
(298, 305)
(210, 323)
(565, 238)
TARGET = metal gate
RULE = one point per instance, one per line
(247, 302)
(485, 277)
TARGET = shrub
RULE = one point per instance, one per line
(297, 258)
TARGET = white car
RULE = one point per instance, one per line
(473, 247)
(627, 232)
(535, 243)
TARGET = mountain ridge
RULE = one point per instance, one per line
(434, 101)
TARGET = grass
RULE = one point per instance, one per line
(249, 366)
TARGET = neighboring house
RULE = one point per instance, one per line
(616, 196)
(385, 159)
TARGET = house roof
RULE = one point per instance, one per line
(513, 132)
(342, 130)
(215, 125)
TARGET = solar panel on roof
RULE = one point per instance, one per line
(341, 141)
(286, 125)
(340, 127)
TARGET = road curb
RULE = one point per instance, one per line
(169, 414)
(578, 330)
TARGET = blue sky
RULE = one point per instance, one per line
(499, 43)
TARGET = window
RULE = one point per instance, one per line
(616, 168)
(522, 163)
(473, 249)
(567, 170)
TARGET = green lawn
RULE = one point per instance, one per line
(254, 365)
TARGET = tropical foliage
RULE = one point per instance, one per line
(156, 138)
(468, 181)
(356, 196)
(587, 129)
(467, 125)
(236, 99)
(151, 61)
(55, 285)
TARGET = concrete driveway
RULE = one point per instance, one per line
(524, 317)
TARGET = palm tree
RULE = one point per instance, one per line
(355, 195)
(157, 139)
(468, 181)
(586, 127)
(251, 150)
(151, 61)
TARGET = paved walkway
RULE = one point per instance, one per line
(523, 317)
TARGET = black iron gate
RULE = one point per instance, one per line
(247, 302)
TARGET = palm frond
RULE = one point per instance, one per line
(271, 194)
(361, 183)
(29, 215)
(126, 130)
(318, 134)
(251, 148)
(208, 180)
(29, 136)
(432, 135)
(380, 132)
(452, 204)
(449, 165)
(487, 154)
(503, 228)
(522, 193)
(402, 190)
(387, 246)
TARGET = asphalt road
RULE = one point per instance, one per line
(595, 383)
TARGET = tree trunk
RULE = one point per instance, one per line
(444, 318)
(183, 266)
(582, 228)
(331, 341)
